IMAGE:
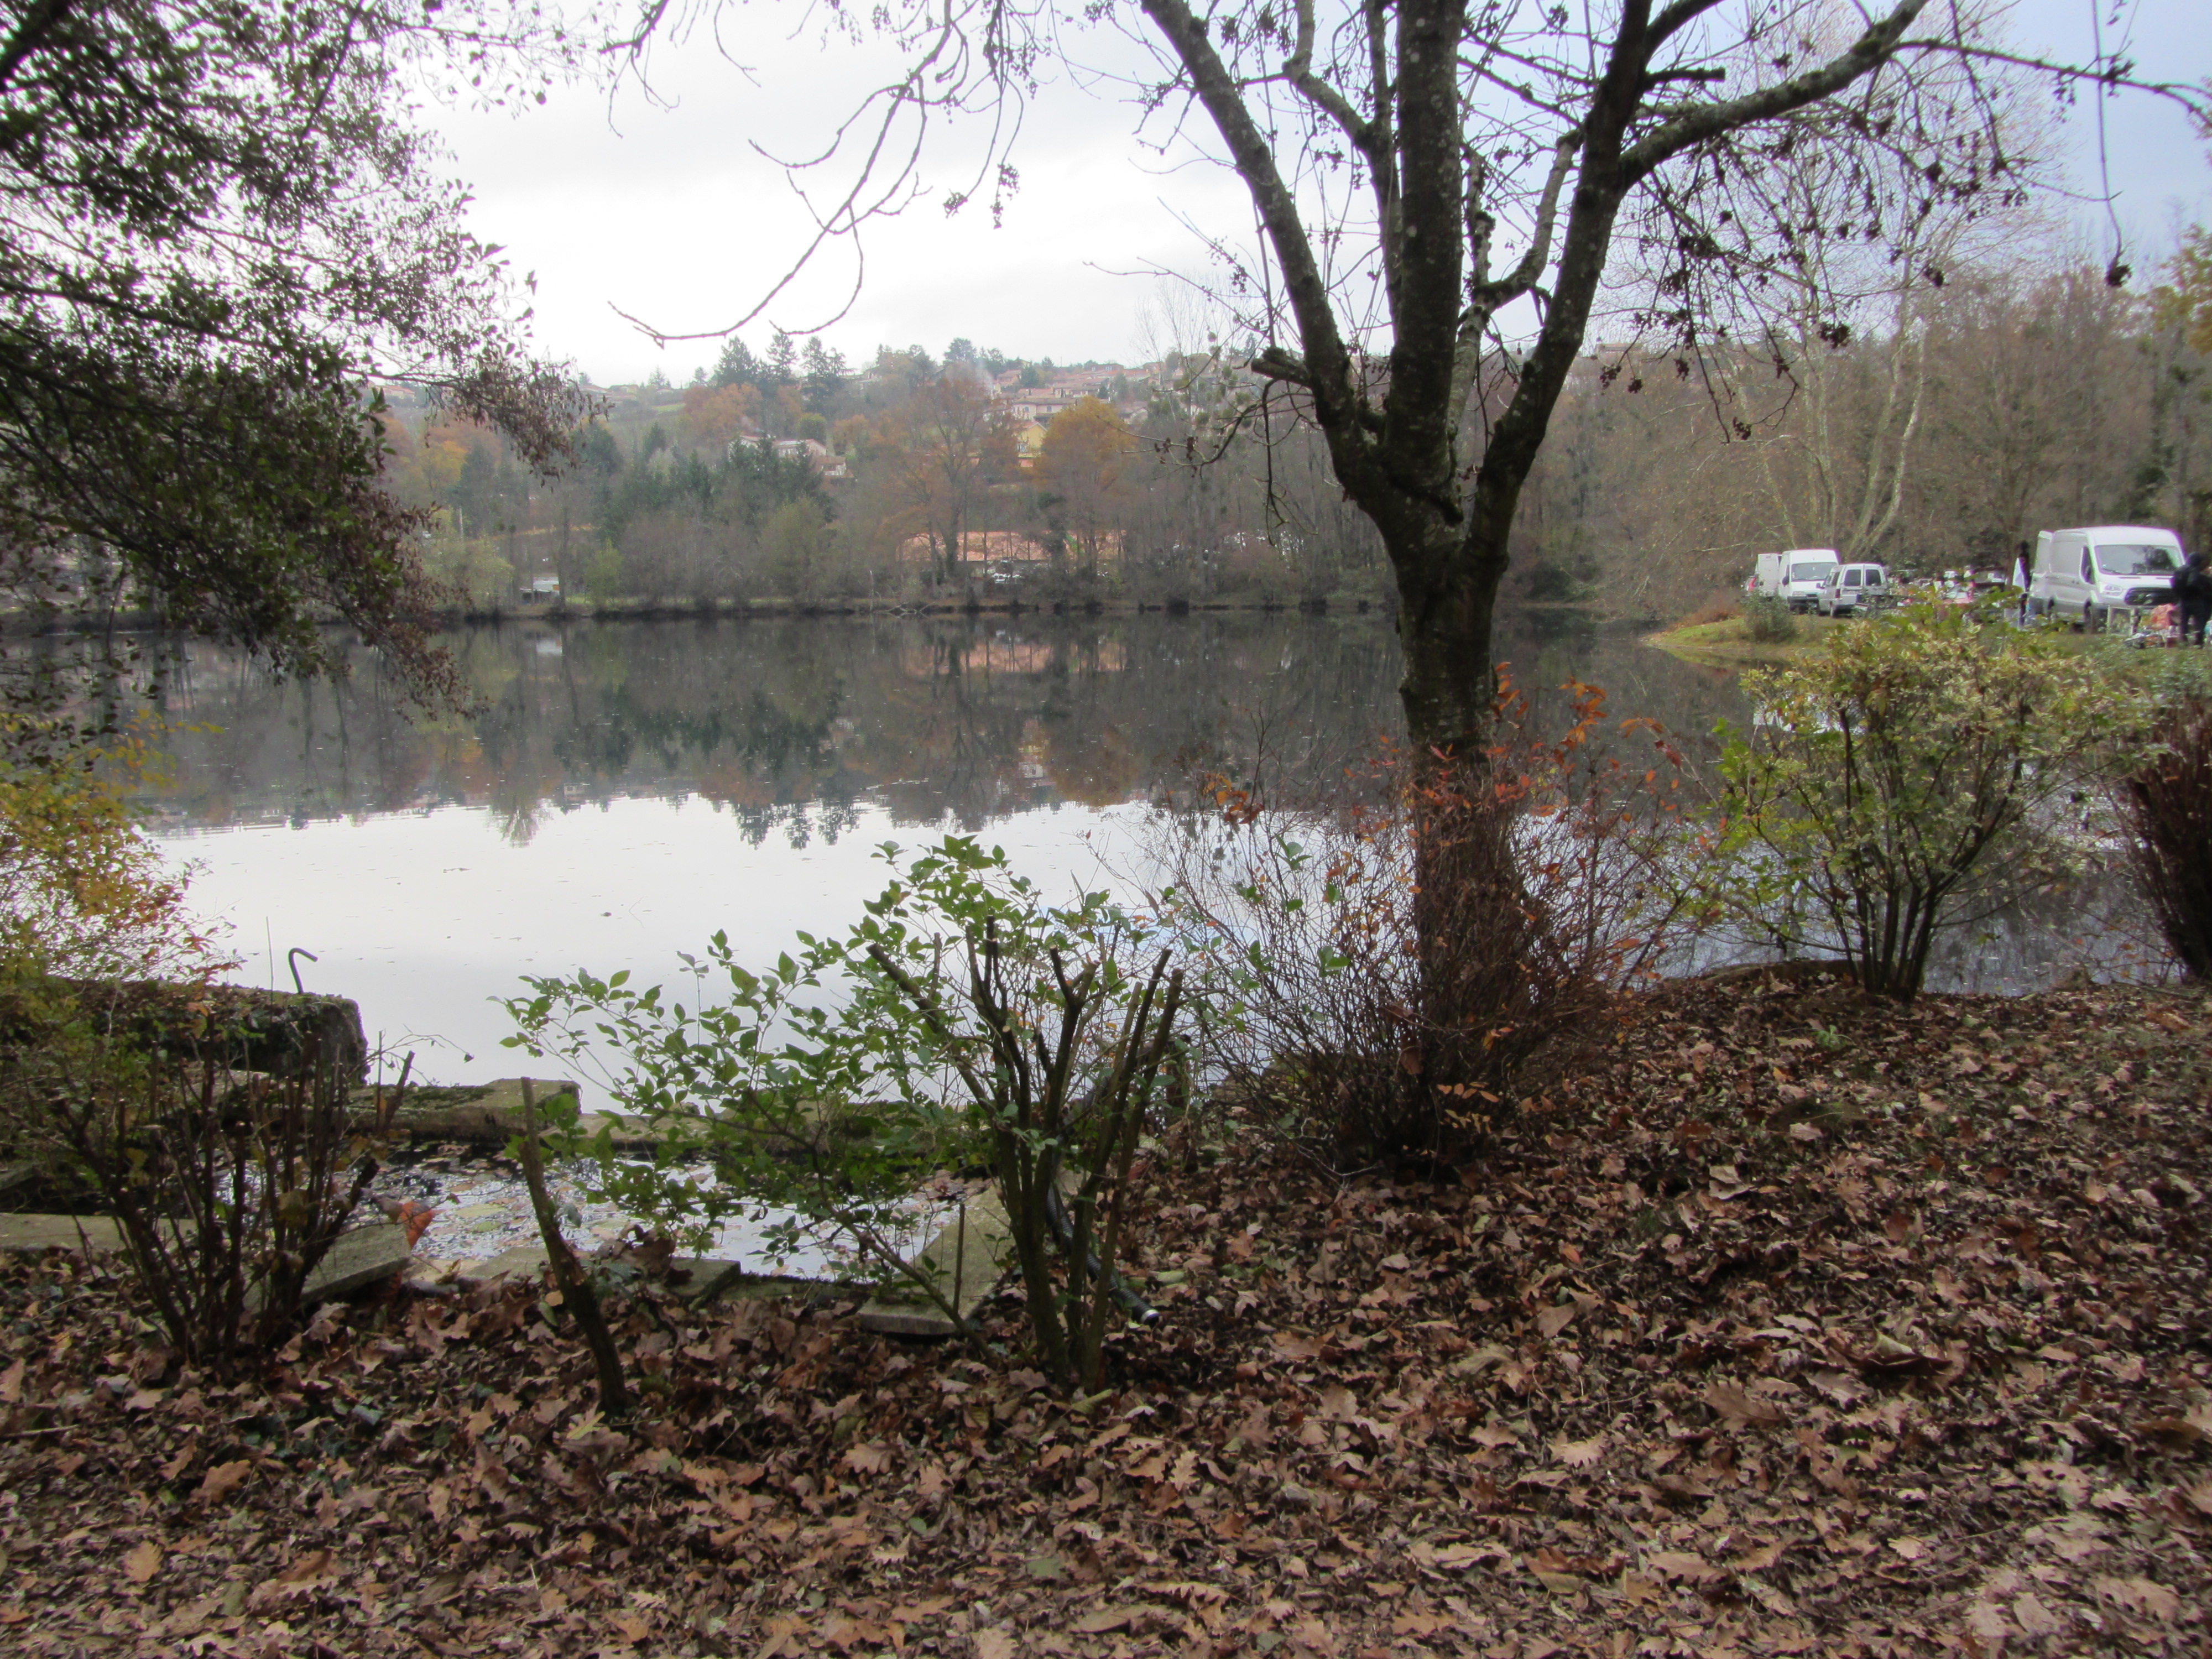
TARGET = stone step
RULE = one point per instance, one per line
(358, 1258)
(490, 1113)
(706, 1278)
(965, 1261)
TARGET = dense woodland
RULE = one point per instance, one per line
(1997, 404)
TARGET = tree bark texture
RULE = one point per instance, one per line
(1447, 529)
(1445, 525)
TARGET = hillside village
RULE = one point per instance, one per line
(791, 477)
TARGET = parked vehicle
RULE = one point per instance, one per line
(1850, 588)
(1794, 577)
(2093, 575)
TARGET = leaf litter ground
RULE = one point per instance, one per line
(1784, 1324)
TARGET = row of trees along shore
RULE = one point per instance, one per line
(2011, 397)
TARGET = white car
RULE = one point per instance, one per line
(1850, 588)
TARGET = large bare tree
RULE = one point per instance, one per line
(1443, 189)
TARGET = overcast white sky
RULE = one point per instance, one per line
(666, 212)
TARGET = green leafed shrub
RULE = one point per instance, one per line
(1768, 619)
(1897, 783)
(963, 1022)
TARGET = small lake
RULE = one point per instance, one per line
(624, 789)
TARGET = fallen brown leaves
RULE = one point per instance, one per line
(1788, 1325)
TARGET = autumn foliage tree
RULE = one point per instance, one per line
(716, 416)
(948, 427)
(1088, 448)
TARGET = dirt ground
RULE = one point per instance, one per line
(1781, 1323)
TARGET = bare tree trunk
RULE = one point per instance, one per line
(576, 1291)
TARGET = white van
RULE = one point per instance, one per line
(2087, 575)
(1849, 589)
(1795, 577)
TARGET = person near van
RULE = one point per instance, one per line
(2192, 597)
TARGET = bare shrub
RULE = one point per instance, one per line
(2166, 807)
(1537, 877)
(1712, 610)
(230, 1186)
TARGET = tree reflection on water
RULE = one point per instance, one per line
(800, 728)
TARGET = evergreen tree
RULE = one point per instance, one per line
(826, 373)
(737, 367)
(782, 360)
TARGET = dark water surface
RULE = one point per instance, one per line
(626, 789)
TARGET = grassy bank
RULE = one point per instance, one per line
(1729, 642)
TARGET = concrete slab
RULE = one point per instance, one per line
(716, 1282)
(524, 1262)
(965, 1261)
(357, 1260)
(490, 1112)
(59, 1232)
(707, 1279)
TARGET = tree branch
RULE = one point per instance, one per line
(1297, 69)
(1701, 122)
(1336, 399)
(1678, 17)
(1491, 295)
(2195, 98)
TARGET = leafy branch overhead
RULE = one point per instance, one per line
(218, 230)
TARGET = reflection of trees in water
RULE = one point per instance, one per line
(795, 726)
(792, 724)
(2097, 921)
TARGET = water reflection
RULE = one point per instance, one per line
(792, 724)
(621, 790)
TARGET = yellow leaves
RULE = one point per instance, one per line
(83, 891)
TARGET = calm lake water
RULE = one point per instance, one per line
(625, 789)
